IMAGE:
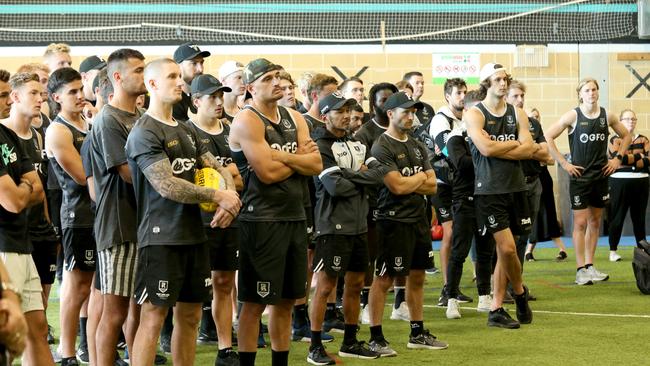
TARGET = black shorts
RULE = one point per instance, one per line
(79, 249)
(311, 239)
(442, 202)
(44, 256)
(167, 274)
(496, 212)
(336, 254)
(403, 246)
(272, 261)
(586, 194)
(224, 248)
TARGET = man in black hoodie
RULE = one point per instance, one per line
(341, 227)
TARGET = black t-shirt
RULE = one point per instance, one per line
(460, 163)
(496, 175)
(532, 167)
(425, 114)
(309, 189)
(15, 163)
(162, 221)
(280, 201)
(408, 158)
(217, 144)
(588, 145)
(180, 109)
(313, 123)
(228, 117)
(368, 134)
(39, 228)
(76, 210)
(116, 207)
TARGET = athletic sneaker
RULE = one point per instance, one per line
(56, 355)
(50, 335)
(425, 340)
(82, 354)
(561, 255)
(160, 360)
(119, 361)
(207, 338)
(365, 315)
(442, 300)
(453, 309)
(484, 303)
(501, 319)
(613, 256)
(583, 277)
(381, 347)
(596, 275)
(432, 271)
(401, 313)
(69, 361)
(261, 342)
(462, 298)
(303, 334)
(333, 325)
(230, 359)
(358, 350)
(529, 257)
(524, 314)
(166, 344)
(121, 341)
(318, 356)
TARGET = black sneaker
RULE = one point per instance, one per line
(425, 340)
(160, 360)
(357, 350)
(119, 361)
(318, 356)
(333, 325)
(82, 354)
(121, 342)
(166, 344)
(529, 257)
(207, 338)
(230, 359)
(524, 314)
(500, 318)
(462, 298)
(69, 361)
(507, 298)
(339, 314)
(561, 255)
(442, 300)
(50, 335)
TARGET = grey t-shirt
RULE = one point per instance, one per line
(115, 221)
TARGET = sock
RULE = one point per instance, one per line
(364, 296)
(350, 334)
(588, 265)
(299, 315)
(316, 339)
(417, 327)
(376, 332)
(83, 340)
(579, 268)
(399, 296)
(247, 358)
(224, 352)
(330, 311)
(279, 358)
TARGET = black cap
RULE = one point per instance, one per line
(257, 68)
(207, 84)
(334, 102)
(92, 63)
(401, 100)
(188, 51)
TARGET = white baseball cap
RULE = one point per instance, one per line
(489, 70)
(228, 68)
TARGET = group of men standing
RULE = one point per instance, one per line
(136, 244)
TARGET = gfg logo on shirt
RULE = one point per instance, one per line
(508, 137)
(180, 165)
(584, 138)
(408, 171)
(289, 147)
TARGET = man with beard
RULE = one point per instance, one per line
(190, 59)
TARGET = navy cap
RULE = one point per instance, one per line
(401, 100)
(207, 84)
(188, 51)
(257, 68)
(92, 63)
(334, 101)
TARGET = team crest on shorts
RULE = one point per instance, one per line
(263, 288)
(337, 263)
(163, 286)
(493, 221)
(89, 254)
(443, 212)
(398, 264)
(576, 200)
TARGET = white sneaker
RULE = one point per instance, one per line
(365, 315)
(484, 303)
(596, 275)
(583, 277)
(613, 256)
(401, 313)
(453, 310)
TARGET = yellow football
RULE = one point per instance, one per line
(209, 177)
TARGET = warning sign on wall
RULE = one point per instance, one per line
(456, 65)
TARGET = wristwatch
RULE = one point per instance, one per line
(619, 157)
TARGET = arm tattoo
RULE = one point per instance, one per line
(208, 160)
(176, 189)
